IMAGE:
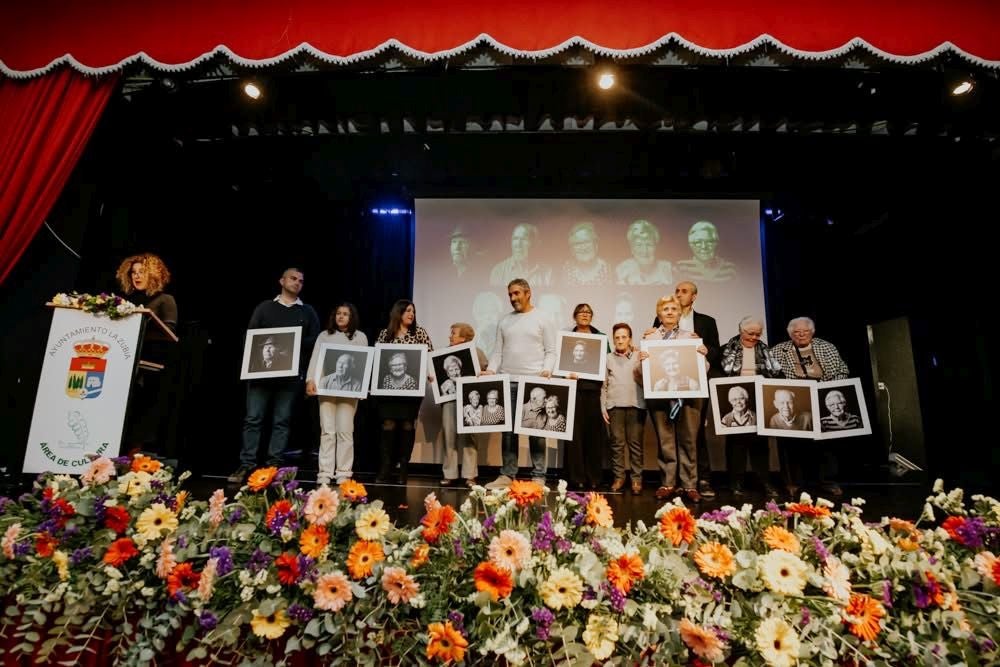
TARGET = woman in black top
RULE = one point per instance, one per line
(585, 454)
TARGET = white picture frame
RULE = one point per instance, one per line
(468, 360)
(594, 363)
(851, 391)
(285, 345)
(415, 367)
(723, 405)
(483, 386)
(691, 370)
(562, 389)
(803, 392)
(329, 356)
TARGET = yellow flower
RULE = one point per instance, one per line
(600, 636)
(777, 537)
(373, 524)
(715, 560)
(62, 564)
(134, 483)
(777, 642)
(563, 588)
(154, 521)
(598, 511)
(269, 627)
(783, 572)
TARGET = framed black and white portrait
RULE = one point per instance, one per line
(450, 364)
(734, 404)
(483, 404)
(787, 408)
(584, 354)
(343, 370)
(545, 407)
(674, 369)
(399, 370)
(842, 409)
(271, 353)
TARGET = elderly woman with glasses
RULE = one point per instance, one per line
(746, 355)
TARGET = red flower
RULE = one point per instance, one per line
(437, 522)
(117, 519)
(182, 576)
(64, 509)
(282, 507)
(120, 551)
(951, 526)
(288, 568)
(45, 544)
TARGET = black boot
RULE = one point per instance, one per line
(406, 439)
(386, 444)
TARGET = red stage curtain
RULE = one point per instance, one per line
(44, 125)
(99, 37)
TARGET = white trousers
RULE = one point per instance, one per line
(336, 440)
(452, 441)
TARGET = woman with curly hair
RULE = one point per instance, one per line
(142, 278)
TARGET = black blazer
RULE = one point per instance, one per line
(708, 330)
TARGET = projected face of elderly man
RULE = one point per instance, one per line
(703, 238)
(521, 241)
(460, 247)
(536, 399)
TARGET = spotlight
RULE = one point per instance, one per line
(252, 90)
(606, 80)
(768, 212)
(962, 88)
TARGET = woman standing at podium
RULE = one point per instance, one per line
(142, 278)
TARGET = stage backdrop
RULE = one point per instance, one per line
(618, 255)
(83, 390)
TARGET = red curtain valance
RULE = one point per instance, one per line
(177, 34)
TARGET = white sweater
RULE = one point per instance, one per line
(335, 338)
(526, 343)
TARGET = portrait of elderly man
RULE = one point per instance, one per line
(460, 248)
(584, 267)
(705, 265)
(397, 377)
(453, 367)
(839, 418)
(643, 268)
(533, 414)
(343, 377)
(788, 417)
(522, 262)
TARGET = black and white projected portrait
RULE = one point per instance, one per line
(842, 409)
(584, 267)
(272, 352)
(786, 408)
(580, 355)
(704, 265)
(399, 370)
(449, 364)
(524, 260)
(644, 267)
(482, 404)
(343, 370)
(546, 407)
(734, 403)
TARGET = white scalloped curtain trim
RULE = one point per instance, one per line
(485, 39)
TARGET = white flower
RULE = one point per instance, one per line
(777, 642)
(246, 594)
(783, 572)
(273, 589)
(649, 619)
(938, 485)
(838, 580)
(112, 572)
(418, 601)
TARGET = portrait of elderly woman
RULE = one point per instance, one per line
(399, 369)
(670, 376)
(448, 365)
(584, 267)
(704, 266)
(481, 404)
(546, 408)
(741, 413)
(398, 377)
(523, 261)
(843, 412)
(643, 268)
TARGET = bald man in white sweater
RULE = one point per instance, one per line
(525, 345)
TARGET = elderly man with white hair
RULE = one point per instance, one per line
(746, 355)
(806, 357)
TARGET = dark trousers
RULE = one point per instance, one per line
(627, 426)
(396, 446)
(737, 447)
(807, 461)
(584, 455)
(280, 396)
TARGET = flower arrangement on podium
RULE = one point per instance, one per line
(111, 305)
(122, 557)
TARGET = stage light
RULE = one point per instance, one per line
(962, 88)
(394, 210)
(769, 211)
(606, 80)
(252, 90)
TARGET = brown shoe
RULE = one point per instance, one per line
(665, 492)
(636, 487)
(692, 495)
(617, 485)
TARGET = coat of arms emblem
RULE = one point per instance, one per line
(86, 369)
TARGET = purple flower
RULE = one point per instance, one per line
(459, 551)
(773, 508)
(299, 612)
(284, 475)
(563, 545)
(719, 516)
(615, 596)
(887, 594)
(182, 542)
(22, 549)
(457, 621)
(25, 498)
(971, 532)
(122, 460)
(291, 486)
(821, 549)
(235, 515)
(178, 598)
(156, 484)
(986, 645)
(70, 531)
(100, 511)
(306, 571)
(805, 617)
(578, 499)
(543, 618)
(488, 523)
(259, 560)
(224, 560)
(589, 593)
(544, 534)
(921, 596)
(208, 620)
(595, 546)
(4, 503)
(578, 519)
(80, 555)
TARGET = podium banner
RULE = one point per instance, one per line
(83, 390)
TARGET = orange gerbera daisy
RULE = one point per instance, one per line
(437, 522)
(120, 551)
(445, 643)
(288, 568)
(421, 554)
(677, 525)
(808, 510)
(313, 540)
(907, 544)
(777, 537)
(261, 477)
(280, 507)
(598, 511)
(715, 560)
(493, 579)
(352, 491)
(862, 616)
(182, 577)
(398, 585)
(902, 525)
(362, 558)
(702, 642)
(181, 498)
(142, 463)
(624, 571)
(525, 493)
(45, 545)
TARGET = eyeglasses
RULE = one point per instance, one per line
(585, 312)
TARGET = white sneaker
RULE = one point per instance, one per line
(501, 482)
(321, 480)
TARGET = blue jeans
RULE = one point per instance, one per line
(259, 395)
(509, 446)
